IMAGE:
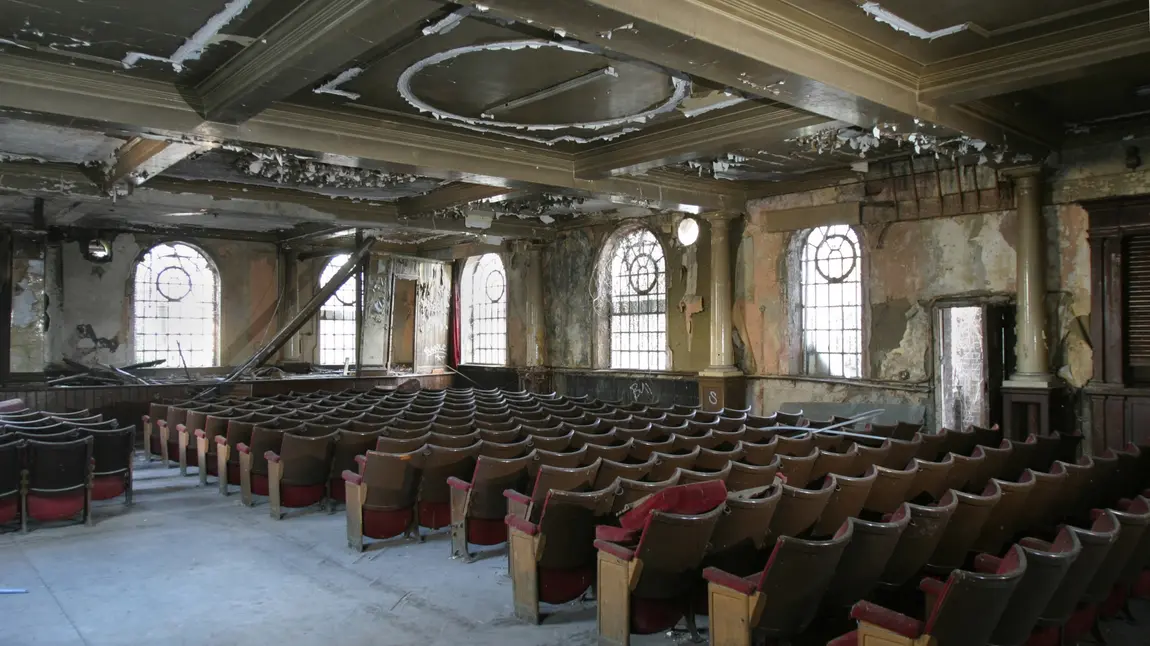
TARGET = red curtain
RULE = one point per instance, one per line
(457, 276)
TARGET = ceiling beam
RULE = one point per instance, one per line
(768, 48)
(1034, 62)
(746, 125)
(450, 196)
(315, 40)
(413, 145)
(141, 158)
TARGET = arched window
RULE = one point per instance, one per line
(638, 303)
(175, 307)
(832, 302)
(483, 298)
(337, 318)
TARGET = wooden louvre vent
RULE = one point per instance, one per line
(1138, 300)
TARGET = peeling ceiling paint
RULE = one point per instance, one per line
(195, 45)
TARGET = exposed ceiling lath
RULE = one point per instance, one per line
(901, 24)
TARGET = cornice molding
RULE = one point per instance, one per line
(1034, 62)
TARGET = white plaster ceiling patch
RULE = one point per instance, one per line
(682, 89)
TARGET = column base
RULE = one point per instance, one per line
(1031, 380)
(1027, 406)
(722, 389)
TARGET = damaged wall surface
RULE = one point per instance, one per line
(84, 310)
(910, 265)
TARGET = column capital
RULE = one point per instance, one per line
(1030, 171)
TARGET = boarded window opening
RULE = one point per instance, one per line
(961, 394)
(403, 323)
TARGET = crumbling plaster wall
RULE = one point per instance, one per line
(571, 299)
(909, 266)
(433, 299)
(80, 293)
(29, 309)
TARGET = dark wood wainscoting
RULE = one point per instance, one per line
(1119, 416)
(664, 389)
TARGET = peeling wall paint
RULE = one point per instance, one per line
(84, 308)
(28, 306)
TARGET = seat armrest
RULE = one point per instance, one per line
(352, 477)
(146, 418)
(515, 496)
(615, 550)
(744, 585)
(221, 440)
(986, 563)
(931, 586)
(456, 483)
(243, 448)
(271, 456)
(1124, 504)
(895, 622)
(181, 427)
(161, 423)
(1036, 544)
(361, 460)
(522, 525)
(200, 433)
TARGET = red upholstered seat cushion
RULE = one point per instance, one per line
(233, 473)
(386, 524)
(337, 492)
(45, 507)
(301, 496)
(1113, 605)
(485, 531)
(108, 487)
(560, 586)
(192, 457)
(1045, 637)
(436, 515)
(616, 534)
(259, 485)
(1080, 623)
(650, 616)
(211, 465)
(695, 498)
(9, 509)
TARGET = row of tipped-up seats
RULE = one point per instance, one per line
(53, 465)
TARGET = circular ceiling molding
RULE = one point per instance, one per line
(682, 88)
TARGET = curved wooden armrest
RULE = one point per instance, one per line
(931, 586)
(615, 550)
(243, 448)
(522, 525)
(200, 433)
(181, 427)
(886, 619)
(161, 423)
(221, 440)
(456, 483)
(146, 418)
(987, 563)
(745, 585)
(361, 460)
(271, 456)
(515, 496)
(352, 477)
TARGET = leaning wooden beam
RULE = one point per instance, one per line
(306, 312)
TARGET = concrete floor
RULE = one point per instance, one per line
(186, 566)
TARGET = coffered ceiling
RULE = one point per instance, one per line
(509, 118)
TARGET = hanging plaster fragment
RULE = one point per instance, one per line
(691, 303)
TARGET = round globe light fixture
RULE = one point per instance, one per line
(688, 231)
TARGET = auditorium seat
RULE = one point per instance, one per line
(799, 509)
(618, 449)
(648, 567)
(547, 479)
(479, 506)
(930, 478)
(513, 450)
(1046, 567)
(759, 451)
(739, 542)
(387, 444)
(628, 491)
(721, 455)
(801, 444)
(609, 470)
(993, 465)
(843, 464)
(666, 462)
(902, 452)
(112, 452)
(299, 471)
(11, 454)
(963, 611)
(553, 561)
(381, 497)
(440, 464)
(348, 444)
(254, 463)
(965, 469)
(890, 489)
(860, 569)
(1005, 519)
(702, 474)
(1048, 494)
(752, 476)
(797, 469)
(779, 602)
(1096, 544)
(1023, 456)
(964, 528)
(59, 478)
(848, 499)
(916, 545)
(194, 420)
